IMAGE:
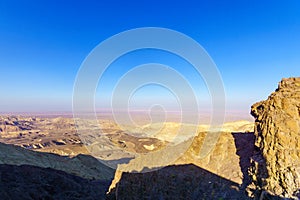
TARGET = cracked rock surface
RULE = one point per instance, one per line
(276, 164)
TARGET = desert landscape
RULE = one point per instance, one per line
(251, 160)
(149, 100)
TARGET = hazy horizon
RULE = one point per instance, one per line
(43, 44)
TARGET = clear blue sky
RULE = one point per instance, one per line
(43, 43)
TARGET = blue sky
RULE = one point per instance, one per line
(43, 43)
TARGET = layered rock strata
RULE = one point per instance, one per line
(276, 163)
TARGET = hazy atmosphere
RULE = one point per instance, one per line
(133, 100)
(43, 44)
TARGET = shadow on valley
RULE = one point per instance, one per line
(244, 143)
(176, 182)
(192, 182)
(27, 174)
(188, 181)
(31, 182)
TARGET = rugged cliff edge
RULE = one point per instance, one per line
(276, 164)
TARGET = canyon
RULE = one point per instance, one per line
(249, 160)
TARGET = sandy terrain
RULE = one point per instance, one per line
(124, 148)
(129, 149)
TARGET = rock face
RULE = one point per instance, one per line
(176, 182)
(276, 164)
(225, 158)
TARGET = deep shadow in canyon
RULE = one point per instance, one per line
(186, 181)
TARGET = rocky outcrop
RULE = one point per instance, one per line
(176, 182)
(230, 159)
(276, 164)
(225, 158)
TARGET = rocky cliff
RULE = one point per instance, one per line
(276, 163)
(181, 182)
(223, 174)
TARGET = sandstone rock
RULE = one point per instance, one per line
(226, 157)
(176, 182)
(276, 164)
(230, 159)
